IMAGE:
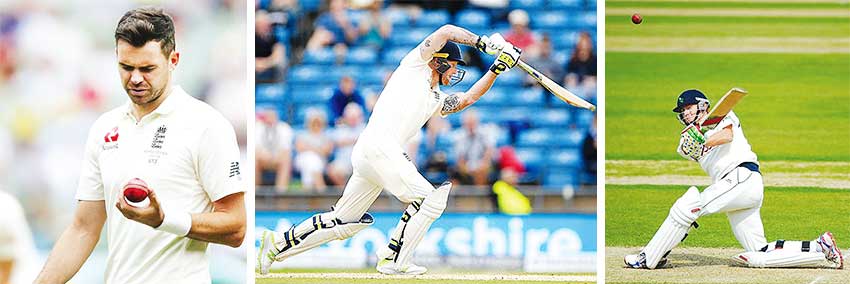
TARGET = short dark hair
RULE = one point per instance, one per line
(141, 25)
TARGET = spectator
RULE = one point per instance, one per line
(520, 35)
(509, 200)
(375, 28)
(345, 94)
(581, 69)
(544, 62)
(334, 28)
(274, 148)
(474, 151)
(345, 134)
(312, 150)
(270, 52)
(588, 152)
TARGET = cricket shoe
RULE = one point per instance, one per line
(387, 266)
(268, 252)
(830, 249)
(638, 261)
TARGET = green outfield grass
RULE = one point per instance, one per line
(725, 4)
(787, 213)
(797, 108)
(703, 26)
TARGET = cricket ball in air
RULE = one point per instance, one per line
(637, 19)
(136, 193)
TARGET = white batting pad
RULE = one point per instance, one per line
(781, 258)
(432, 208)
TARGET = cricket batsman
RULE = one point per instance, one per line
(183, 149)
(737, 190)
(411, 96)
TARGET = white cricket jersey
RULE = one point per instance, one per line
(186, 152)
(407, 101)
(721, 159)
(16, 242)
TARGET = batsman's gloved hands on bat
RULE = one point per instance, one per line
(485, 44)
(507, 59)
(691, 143)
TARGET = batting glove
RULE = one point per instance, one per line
(507, 59)
(485, 44)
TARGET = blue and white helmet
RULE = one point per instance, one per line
(691, 97)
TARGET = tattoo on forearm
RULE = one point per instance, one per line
(451, 104)
(462, 36)
(428, 42)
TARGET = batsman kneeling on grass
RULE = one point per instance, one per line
(411, 96)
(737, 190)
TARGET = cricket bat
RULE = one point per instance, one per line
(722, 108)
(556, 89)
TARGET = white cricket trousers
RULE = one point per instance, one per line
(379, 163)
(739, 194)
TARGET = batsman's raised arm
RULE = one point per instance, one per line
(507, 59)
(438, 39)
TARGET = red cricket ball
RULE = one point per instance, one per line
(136, 190)
(637, 19)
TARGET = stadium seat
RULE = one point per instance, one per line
(587, 20)
(270, 93)
(394, 55)
(322, 56)
(397, 17)
(565, 157)
(583, 118)
(590, 5)
(557, 178)
(564, 39)
(361, 55)
(311, 95)
(532, 97)
(495, 97)
(539, 138)
(550, 20)
(432, 19)
(565, 4)
(567, 138)
(309, 75)
(527, 4)
(511, 78)
(562, 57)
(552, 118)
(472, 19)
(409, 37)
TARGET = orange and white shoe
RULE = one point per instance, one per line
(830, 249)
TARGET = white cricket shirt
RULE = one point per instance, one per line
(407, 101)
(721, 159)
(186, 152)
(16, 242)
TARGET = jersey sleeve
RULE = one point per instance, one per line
(729, 119)
(413, 58)
(90, 185)
(218, 161)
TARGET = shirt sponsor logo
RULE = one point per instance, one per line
(111, 139)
